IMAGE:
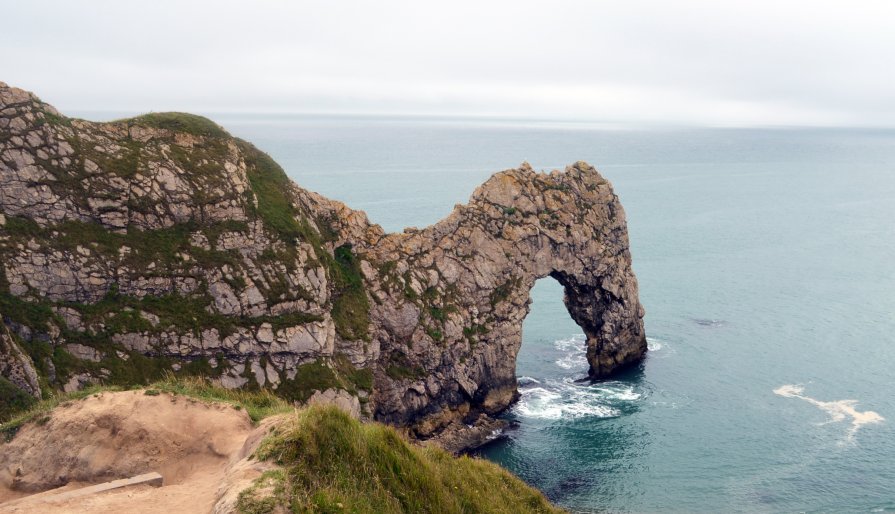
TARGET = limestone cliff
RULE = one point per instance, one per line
(161, 243)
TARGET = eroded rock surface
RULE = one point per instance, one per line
(449, 300)
(162, 243)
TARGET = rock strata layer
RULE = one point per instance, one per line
(162, 244)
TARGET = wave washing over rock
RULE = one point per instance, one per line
(161, 243)
(566, 396)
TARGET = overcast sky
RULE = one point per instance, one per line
(759, 62)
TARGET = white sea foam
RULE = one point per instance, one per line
(575, 354)
(556, 399)
(575, 342)
(839, 410)
(538, 402)
(526, 380)
(653, 345)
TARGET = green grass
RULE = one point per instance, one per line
(400, 368)
(318, 376)
(13, 399)
(351, 309)
(257, 404)
(179, 122)
(333, 463)
(271, 187)
(309, 377)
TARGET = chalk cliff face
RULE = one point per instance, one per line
(161, 243)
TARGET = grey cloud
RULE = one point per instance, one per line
(756, 63)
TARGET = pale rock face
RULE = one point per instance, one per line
(16, 366)
(154, 241)
(83, 352)
(341, 399)
(310, 339)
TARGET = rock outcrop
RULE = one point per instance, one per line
(161, 243)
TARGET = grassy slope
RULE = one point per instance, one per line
(332, 463)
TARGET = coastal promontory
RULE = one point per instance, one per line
(161, 244)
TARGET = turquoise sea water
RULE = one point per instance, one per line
(766, 258)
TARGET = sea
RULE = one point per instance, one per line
(766, 265)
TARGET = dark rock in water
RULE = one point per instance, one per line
(709, 322)
(161, 242)
(569, 487)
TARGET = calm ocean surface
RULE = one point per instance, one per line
(766, 261)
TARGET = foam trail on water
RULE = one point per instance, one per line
(653, 344)
(838, 410)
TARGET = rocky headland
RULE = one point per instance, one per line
(161, 244)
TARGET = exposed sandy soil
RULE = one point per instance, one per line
(198, 448)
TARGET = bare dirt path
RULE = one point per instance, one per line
(197, 448)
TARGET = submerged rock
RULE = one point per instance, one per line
(162, 237)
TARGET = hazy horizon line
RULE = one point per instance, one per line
(106, 115)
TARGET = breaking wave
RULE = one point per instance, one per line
(563, 398)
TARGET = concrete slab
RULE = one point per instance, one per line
(153, 479)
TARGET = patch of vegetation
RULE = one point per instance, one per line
(437, 313)
(34, 315)
(435, 333)
(400, 368)
(257, 404)
(310, 377)
(179, 122)
(160, 247)
(54, 119)
(11, 423)
(474, 330)
(409, 293)
(274, 204)
(320, 375)
(503, 291)
(333, 463)
(13, 399)
(265, 495)
(126, 164)
(351, 309)
(357, 379)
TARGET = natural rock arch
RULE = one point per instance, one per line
(449, 300)
(161, 243)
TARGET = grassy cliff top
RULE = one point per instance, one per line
(178, 122)
(333, 463)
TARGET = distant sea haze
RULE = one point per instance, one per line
(765, 259)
